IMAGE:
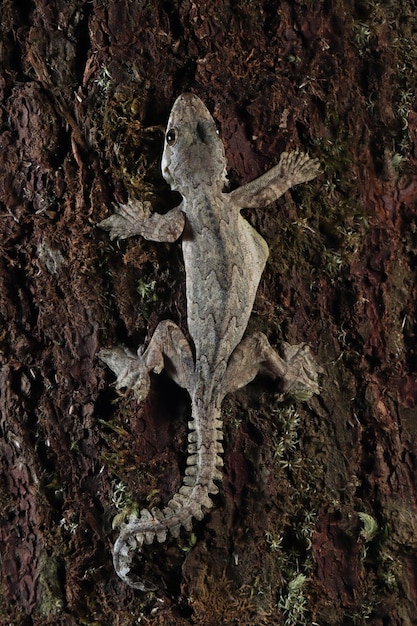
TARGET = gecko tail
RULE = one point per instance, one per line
(155, 524)
(191, 502)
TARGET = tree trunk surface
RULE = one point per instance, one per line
(316, 520)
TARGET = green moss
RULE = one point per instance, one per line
(51, 598)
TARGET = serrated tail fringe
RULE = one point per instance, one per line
(193, 499)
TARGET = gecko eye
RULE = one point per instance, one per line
(171, 137)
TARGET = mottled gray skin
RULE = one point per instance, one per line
(224, 258)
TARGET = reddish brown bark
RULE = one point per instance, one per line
(317, 517)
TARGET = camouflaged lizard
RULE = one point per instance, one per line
(224, 258)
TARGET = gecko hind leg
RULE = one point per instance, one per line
(254, 355)
(168, 348)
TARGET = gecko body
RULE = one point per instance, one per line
(224, 257)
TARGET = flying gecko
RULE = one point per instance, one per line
(224, 257)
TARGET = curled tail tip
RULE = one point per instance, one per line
(143, 529)
(130, 579)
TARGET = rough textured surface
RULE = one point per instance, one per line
(85, 87)
(224, 258)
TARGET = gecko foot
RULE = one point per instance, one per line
(130, 370)
(127, 219)
(297, 167)
(301, 378)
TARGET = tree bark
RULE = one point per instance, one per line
(316, 521)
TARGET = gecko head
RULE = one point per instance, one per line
(193, 151)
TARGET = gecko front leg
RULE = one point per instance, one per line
(254, 355)
(136, 218)
(293, 169)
